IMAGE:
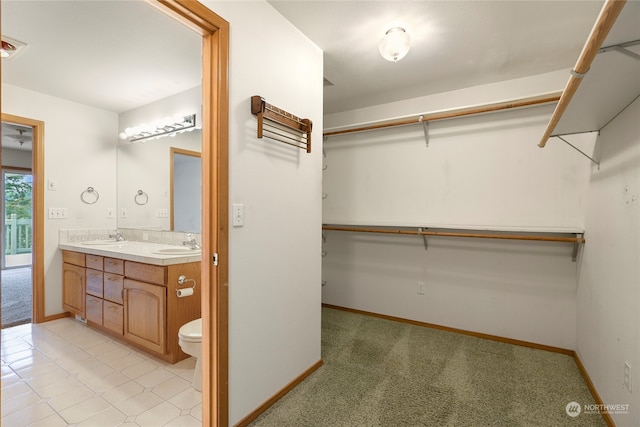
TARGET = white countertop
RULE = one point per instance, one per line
(134, 251)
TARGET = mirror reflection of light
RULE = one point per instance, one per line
(167, 126)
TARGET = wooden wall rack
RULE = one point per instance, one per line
(279, 125)
(543, 236)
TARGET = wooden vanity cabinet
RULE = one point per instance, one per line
(153, 312)
(134, 300)
(73, 282)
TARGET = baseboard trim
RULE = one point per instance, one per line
(256, 413)
(457, 331)
(592, 388)
(55, 317)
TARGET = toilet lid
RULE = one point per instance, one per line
(191, 331)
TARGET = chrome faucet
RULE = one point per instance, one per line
(191, 243)
(117, 235)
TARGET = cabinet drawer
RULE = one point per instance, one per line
(112, 265)
(145, 272)
(94, 309)
(94, 282)
(113, 317)
(94, 261)
(74, 258)
(113, 287)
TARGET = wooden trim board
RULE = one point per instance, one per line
(273, 399)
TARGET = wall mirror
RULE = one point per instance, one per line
(159, 183)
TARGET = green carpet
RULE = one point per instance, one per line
(379, 372)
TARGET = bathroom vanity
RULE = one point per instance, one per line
(130, 290)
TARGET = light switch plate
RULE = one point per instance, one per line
(237, 215)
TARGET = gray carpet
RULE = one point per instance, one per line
(16, 296)
(379, 372)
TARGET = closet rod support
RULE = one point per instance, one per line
(425, 128)
(622, 48)
(576, 245)
(424, 237)
(578, 150)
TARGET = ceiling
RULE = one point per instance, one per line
(454, 44)
(118, 55)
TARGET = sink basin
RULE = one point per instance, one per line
(176, 251)
(103, 243)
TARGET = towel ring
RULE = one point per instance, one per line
(87, 194)
(141, 198)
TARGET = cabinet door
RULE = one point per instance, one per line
(94, 309)
(144, 314)
(73, 289)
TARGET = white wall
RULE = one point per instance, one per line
(79, 152)
(608, 313)
(478, 172)
(274, 270)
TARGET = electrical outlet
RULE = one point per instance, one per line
(627, 376)
(420, 288)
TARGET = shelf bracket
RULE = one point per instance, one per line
(578, 150)
(425, 128)
(424, 238)
(622, 48)
(576, 245)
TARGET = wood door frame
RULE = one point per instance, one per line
(37, 195)
(215, 201)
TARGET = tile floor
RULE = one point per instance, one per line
(62, 373)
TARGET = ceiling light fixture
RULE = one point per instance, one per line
(10, 47)
(164, 127)
(395, 44)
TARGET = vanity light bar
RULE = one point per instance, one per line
(166, 127)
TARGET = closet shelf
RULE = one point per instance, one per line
(608, 77)
(544, 236)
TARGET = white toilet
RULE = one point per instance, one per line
(190, 340)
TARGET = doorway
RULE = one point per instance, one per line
(22, 245)
(17, 223)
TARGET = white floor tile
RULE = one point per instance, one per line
(110, 417)
(28, 415)
(139, 403)
(63, 373)
(158, 415)
(171, 387)
(84, 410)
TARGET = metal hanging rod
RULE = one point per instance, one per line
(450, 114)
